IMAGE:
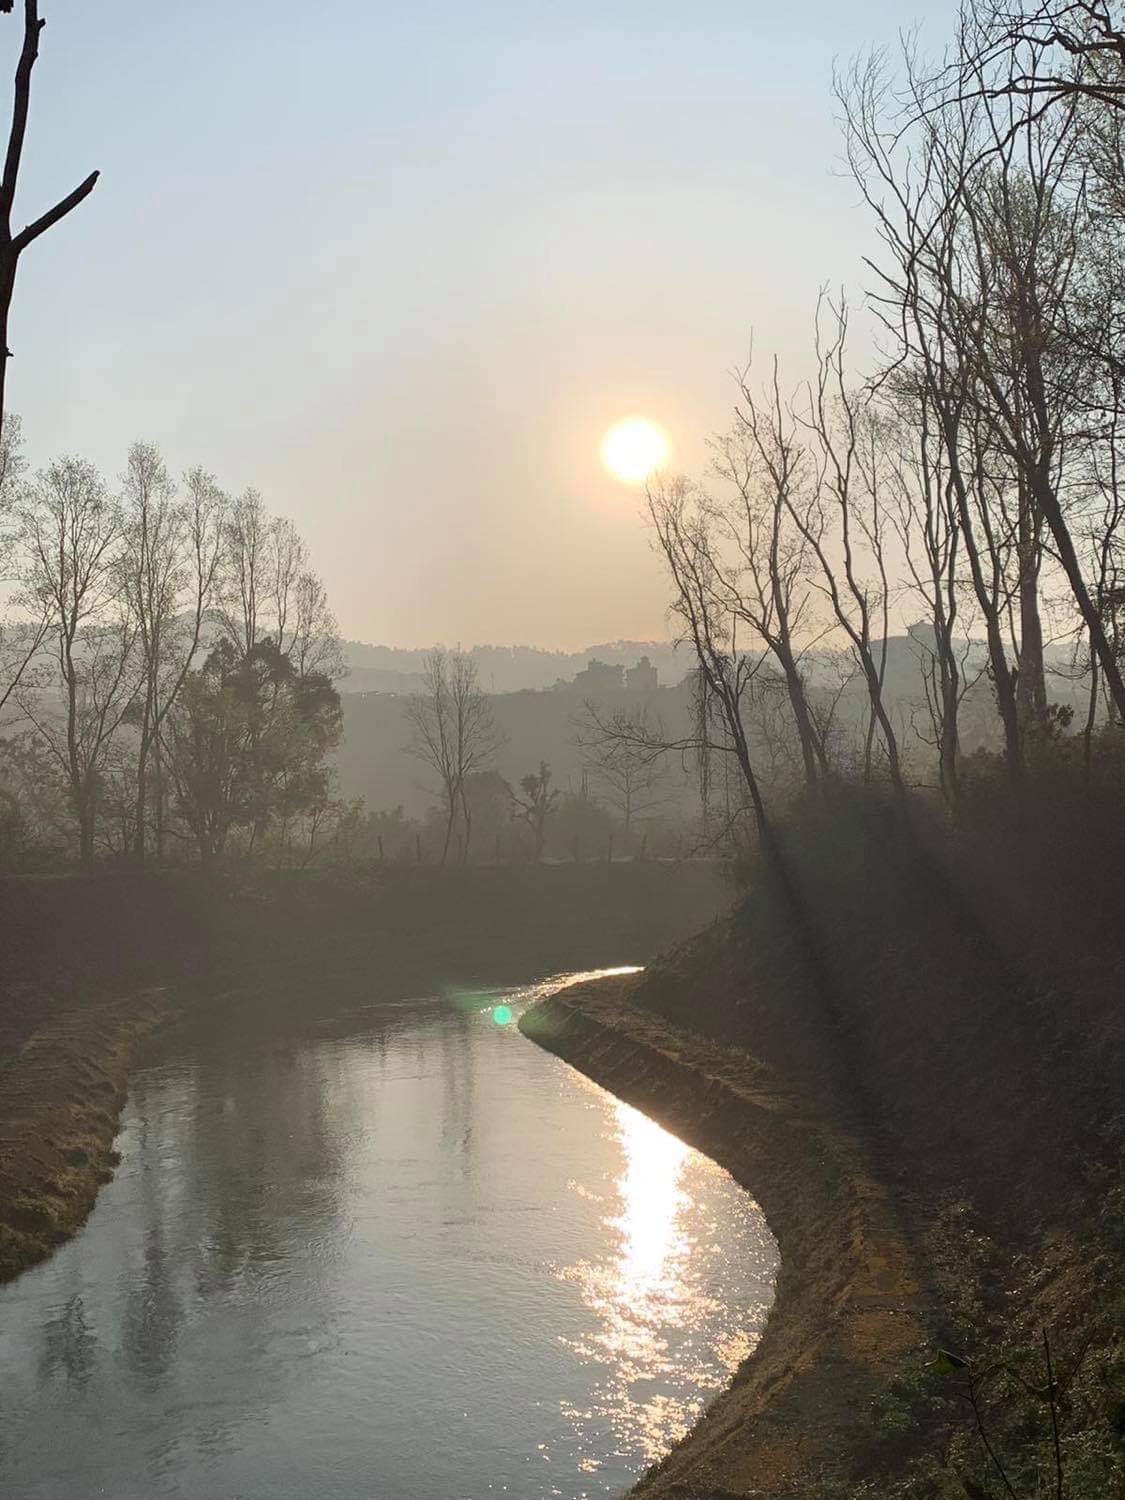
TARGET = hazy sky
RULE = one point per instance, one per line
(399, 267)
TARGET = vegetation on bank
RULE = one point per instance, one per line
(950, 993)
(1028, 1399)
(63, 1079)
(932, 942)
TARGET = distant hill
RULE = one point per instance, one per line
(540, 724)
(505, 669)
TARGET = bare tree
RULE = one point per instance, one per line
(453, 731)
(935, 306)
(12, 245)
(925, 518)
(984, 206)
(313, 643)
(625, 757)
(244, 582)
(723, 671)
(765, 463)
(21, 636)
(170, 561)
(845, 510)
(73, 536)
(266, 590)
(1039, 53)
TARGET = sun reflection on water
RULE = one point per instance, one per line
(661, 1338)
(652, 1244)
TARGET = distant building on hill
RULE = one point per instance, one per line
(641, 678)
(598, 677)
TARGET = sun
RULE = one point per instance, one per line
(634, 448)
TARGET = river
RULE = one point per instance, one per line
(403, 1254)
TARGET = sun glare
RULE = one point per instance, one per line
(634, 448)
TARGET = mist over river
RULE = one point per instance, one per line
(404, 1254)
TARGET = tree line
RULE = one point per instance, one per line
(452, 731)
(969, 479)
(167, 664)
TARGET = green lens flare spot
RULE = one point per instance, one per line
(502, 1015)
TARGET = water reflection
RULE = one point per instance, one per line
(69, 1344)
(324, 1249)
(660, 1330)
(653, 1246)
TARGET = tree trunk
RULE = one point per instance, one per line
(879, 714)
(140, 809)
(452, 799)
(467, 815)
(1091, 719)
(1031, 687)
(158, 788)
(948, 739)
(85, 809)
(1064, 546)
(812, 752)
(8, 260)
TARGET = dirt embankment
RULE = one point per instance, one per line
(91, 966)
(847, 1307)
(63, 1077)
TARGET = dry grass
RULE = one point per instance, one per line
(62, 1084)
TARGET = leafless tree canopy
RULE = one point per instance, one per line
(967, 484)
(120, 614)
(453, 732)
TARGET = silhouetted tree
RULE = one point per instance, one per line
(766, 464)
(72, 536)
(452, 730)
(624, 754)
(247, 744)
(724, 672)
(20, 637)
(171, 557)
(537, 802)
(12, 245)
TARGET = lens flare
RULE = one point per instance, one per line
(502, 1015)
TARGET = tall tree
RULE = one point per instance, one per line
(72, 534)
(766, 463)
(625, 758)
(170, 562)
(453, 731)
(845, 512)
(21, 636)
(724, 672)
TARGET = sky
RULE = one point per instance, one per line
(400, 267)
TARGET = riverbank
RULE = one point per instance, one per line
(847, 1308)
(63, 1079)
(908, 1048)
(93, 966)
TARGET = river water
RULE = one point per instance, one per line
(404, 1255)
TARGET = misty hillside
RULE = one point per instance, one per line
(541, 723)
(504, 669)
